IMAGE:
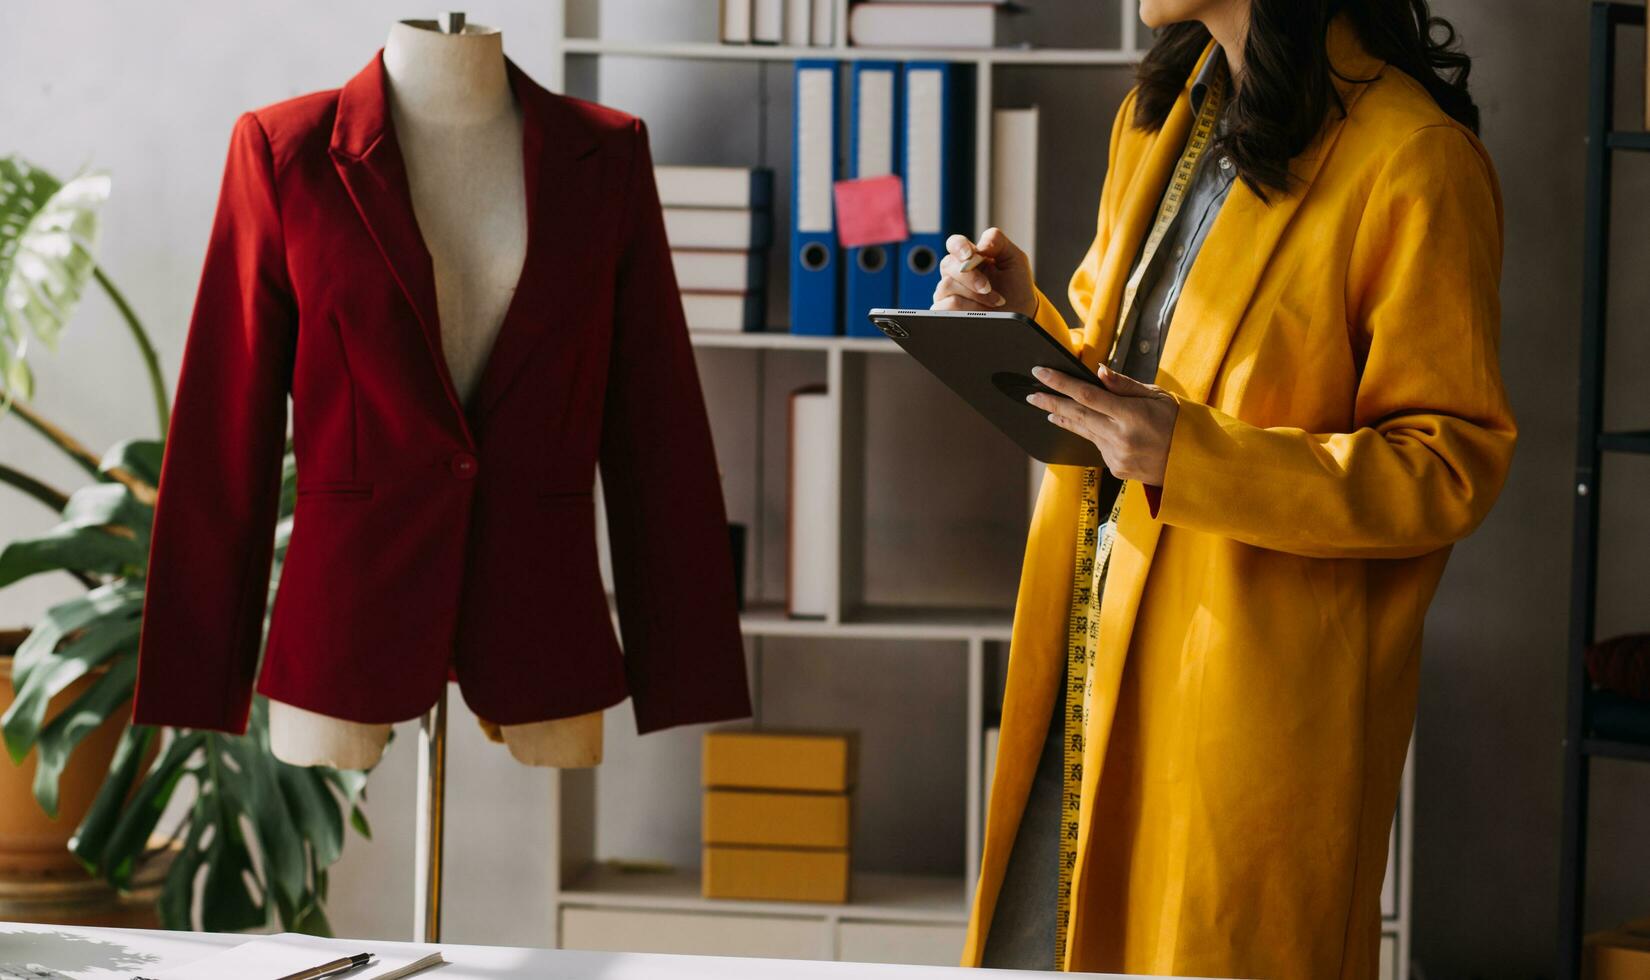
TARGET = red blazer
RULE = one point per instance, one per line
(433, 538)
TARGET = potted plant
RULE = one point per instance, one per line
(260, 832)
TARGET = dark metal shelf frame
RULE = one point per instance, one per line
(1583, 739)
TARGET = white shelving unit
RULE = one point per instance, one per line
(890, 917)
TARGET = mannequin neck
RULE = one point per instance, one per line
(447, 79)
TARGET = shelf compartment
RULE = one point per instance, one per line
(1625, 442)
(712, 51)
(880, 897)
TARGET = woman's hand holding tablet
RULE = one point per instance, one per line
(1127, 423)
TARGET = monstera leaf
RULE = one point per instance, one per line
(48, 231)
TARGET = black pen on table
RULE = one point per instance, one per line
(328, 969)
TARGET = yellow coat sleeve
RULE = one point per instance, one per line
(1087, 276)
(1433, 432)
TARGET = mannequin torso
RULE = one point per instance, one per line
(460, 135)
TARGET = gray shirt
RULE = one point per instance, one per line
(1147, 327)
(1022, 928)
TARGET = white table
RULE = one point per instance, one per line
(119, 954)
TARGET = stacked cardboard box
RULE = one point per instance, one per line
(1622, 953)
(778, 815)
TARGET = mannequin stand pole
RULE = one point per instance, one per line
(432, 796)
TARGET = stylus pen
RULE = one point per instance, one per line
(328, 969)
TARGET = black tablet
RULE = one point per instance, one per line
(987, 359)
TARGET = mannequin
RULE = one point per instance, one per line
(460, 134)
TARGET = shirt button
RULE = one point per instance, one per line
(1180, 251)
(1145, 347)
(463, 466)
(1225, 163)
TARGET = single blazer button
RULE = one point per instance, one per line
(463, 466)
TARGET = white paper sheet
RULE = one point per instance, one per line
(269, 957)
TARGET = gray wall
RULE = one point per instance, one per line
(150, 91)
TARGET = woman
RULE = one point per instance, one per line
(1327, 418)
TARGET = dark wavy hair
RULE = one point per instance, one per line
(1287, 91)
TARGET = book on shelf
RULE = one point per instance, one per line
(1014, 177)
(797, 23)
(730, 228)
(714, 187)
(809, 564)
(823, 31)
(930, 24)
(799, 17)
(725, 312)
(719, 271)
(767, 21)
(736, 21)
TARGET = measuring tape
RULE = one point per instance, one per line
(1094, 540)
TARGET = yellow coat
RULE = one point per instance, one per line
(1342, 422)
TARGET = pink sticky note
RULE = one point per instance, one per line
(870, 211)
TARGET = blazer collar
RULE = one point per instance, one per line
(369, 162)
(363, 118)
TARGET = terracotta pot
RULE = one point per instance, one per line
(32, 845)
(87, 901)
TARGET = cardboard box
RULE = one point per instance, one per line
(1622, 953)
(742, 816)
(775, 874)
(791, 760)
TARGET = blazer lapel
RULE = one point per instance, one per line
(562, 196)
(369, 161)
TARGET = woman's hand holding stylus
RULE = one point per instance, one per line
(1128, 421)
(991, 274)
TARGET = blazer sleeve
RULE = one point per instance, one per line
(667, 527)
(1433, 434)
(1086, 279)
(213, 536)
